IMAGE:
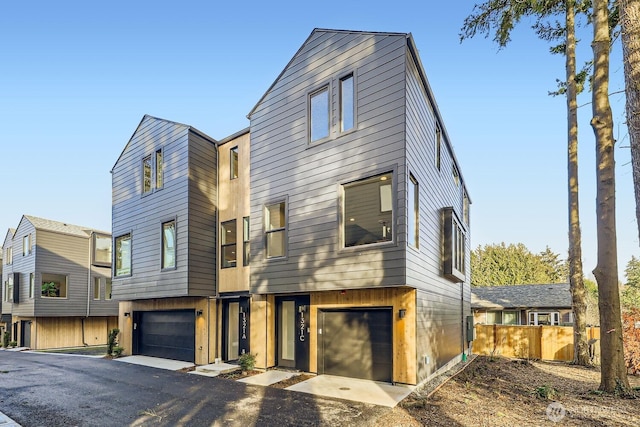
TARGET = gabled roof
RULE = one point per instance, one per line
(521, 296)
(148, 117)
(9, 235)
(423, 77)
(60, 227)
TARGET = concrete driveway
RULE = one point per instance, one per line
(52, 389)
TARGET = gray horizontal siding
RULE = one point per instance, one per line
(284, 165)
(24, 265)
(188, 196)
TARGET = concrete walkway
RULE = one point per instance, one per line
(7, 422)
(156, 362)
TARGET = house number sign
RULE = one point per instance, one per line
(244, 325)
(302, 326)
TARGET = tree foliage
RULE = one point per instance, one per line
(514, 264)
(630, 293)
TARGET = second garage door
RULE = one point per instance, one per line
(356, 343)
(166, 334)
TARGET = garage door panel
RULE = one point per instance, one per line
(166, 334)
(357, 343)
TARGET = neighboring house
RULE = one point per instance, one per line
(56, 284)
(342, 219)
(522, 304)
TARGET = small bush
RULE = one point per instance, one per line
(247, 361)
(545, 392)
(112, 341)
(13, 343)
(117, 351)
(6, 337)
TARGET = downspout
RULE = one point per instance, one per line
(215, 282)
(88, 287)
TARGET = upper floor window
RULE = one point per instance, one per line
(9, 256)
(347, 103)
(123, 255)
(228, 243)
(152, 172)
(413, 209)
(32, 285)
(9, 288)
(438, 146)
(169, 244)
(245, 241)
(454, 247)
(233, 166)
(368, 210)
(101, 250)
(319, 114)
(465, 207)
(54, 285)
(26, 245)
(456, 175)
(107, 289)
(96, 288)
(276, 229)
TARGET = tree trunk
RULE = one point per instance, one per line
(613, 376)
(630, 23)
(578, 292)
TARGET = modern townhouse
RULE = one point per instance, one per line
(56, 284)
(331, 236)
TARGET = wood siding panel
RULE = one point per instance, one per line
(283, 164)
(61, 332)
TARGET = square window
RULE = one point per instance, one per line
(319, 114)
(494, 317)
(228, 243)
(413, 210)
(347, 103)
(233, 160)
(510, 318)
(168, 245)
(276, 229)
(123, 255)
(54, 285)
(368, 211)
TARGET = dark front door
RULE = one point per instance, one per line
(168, 334)
(236, 328)
(25, 333)
(292, 323)
(356, 343)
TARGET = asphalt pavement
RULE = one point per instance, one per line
(39, 389)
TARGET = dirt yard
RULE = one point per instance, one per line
(508, 392)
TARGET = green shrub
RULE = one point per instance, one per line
(6, 337)
(545, 392)
(117, 351)
(112, 340)
(247, 361)
(13, 343)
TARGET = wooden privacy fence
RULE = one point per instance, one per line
(533, 342)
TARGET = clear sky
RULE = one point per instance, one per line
(76, 77)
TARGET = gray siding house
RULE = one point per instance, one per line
(56, 284)
(164, 239)
(359, 213)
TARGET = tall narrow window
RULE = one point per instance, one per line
(169, 244)
(9, 259)
(26, 245)
(32, 285)
(147, 172)
(245, 241)
(276, 229)
(228, 243)
(456, 175)
(9, 288)
(159, 170)
(413, 209)
(465, 208)
(123, 255)
(5, 291)
(319, 114)
(346, 103)
(233, 155)
(96, 288)
(438, 146)
(107, 289)
(454, 247)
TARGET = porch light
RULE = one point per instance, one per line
(126, 314)
(199, 313)
(402, 312)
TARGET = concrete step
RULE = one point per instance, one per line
(217, 368)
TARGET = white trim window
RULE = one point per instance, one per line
(153, 172)
(26, 245)
(544, 318)
(168, 260)
(347, 103)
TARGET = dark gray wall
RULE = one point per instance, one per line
(6, 270)
(284, 165)
(142, 216)
(24, 265)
